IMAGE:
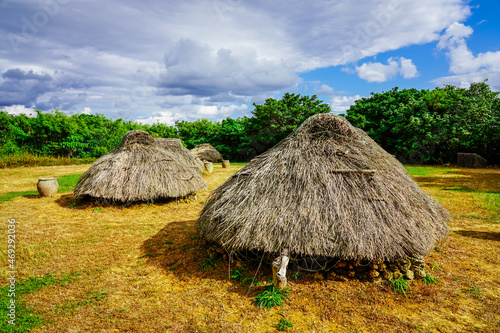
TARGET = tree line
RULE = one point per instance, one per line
(432, 126)
(418, 126)
(88, 135)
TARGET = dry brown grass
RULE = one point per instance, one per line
(145, 263)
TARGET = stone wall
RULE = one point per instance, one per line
(377, 270)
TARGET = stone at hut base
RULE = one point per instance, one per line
(419, 272)
(388, 275)
(403, 264)
(397, 274)
(409, 275)
(373, 274)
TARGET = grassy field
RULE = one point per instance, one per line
(82, 267)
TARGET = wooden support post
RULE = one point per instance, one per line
(279, 270)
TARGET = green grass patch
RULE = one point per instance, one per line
(67, 183)
(11, 195)
(489, 201)
(420, 171)
(25, 319)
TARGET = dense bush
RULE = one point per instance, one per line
(432, 126)
(418, 126)
(57, 134)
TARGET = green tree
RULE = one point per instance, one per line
(432, 126)
(275, 119)
(231, 140)
(196, 132)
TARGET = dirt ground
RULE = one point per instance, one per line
(143, 268)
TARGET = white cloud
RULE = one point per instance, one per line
(466, 66)
(342, 103)
(324, 90)
(166, 117)
(194, 68)
(18, 110)
(407, 69)
(202, 111)
(378, 72)
(135, 57)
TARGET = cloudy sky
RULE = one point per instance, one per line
(157, 60)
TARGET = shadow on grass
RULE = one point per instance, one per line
(495, 236)
(465, 182)
(69, 201)
(178, 250)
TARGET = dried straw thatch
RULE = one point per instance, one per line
(183, 155)
(326, 190)
(206, 152)
(138, 170)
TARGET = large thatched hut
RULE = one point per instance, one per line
(183, 155)
(329, 191)
(206, 152)
(138, 170)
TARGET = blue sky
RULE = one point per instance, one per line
(161, 61)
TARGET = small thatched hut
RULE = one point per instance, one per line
(138, 170)
(183, 155)
(206, 152)
(326, 190)
(467, 160)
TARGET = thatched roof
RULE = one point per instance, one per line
(183, 155)
(206, 152)
(325, 190)
(138, 170)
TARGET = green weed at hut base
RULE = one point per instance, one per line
(429, 279)
(400, 285)
(271, 297)
(283, 325)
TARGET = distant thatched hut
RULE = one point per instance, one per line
(206, 152)
(467, 160)
(183, 155)
(138, 170)
(326, 190)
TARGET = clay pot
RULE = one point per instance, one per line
(225, 163)
(47, 186)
